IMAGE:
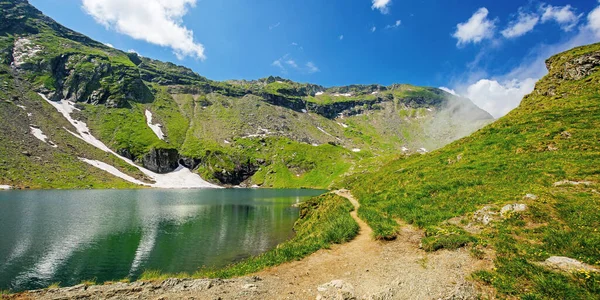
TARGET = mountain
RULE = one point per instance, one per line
(75, 112)
(521, 192)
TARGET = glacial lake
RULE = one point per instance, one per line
(70, 236)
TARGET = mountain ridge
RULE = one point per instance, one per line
(228, 132)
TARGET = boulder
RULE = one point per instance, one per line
(562, 263)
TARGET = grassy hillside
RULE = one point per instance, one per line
(272, 132)
(554, 135)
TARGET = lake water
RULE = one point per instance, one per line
(71, 236)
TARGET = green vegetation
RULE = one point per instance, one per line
(552, 136)
(324, 220)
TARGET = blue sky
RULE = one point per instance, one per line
(490, 51)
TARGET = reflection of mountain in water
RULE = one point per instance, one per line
(70, 236)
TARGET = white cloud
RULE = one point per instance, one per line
(132, 51)
(373, 29)
(271, 27)
(523, 24)
(499, 98)
(594, 21)
(109, 45)
(382, 5)
(564, 15)
(286, 62)
(476, 29)
(292, 63)
(341, 37)
(395, 25)
(155, 21)
(294, 44)
(311, 67)
(500, 94)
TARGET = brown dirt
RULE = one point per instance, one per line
(372, 269)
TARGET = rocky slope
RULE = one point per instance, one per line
(268, 132)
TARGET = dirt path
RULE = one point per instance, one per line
(362, 268)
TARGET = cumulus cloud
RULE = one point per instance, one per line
(499, 98)
(523, 24)
(565, 16)
(382, 5)
(109, 45)
(155, 21)
(476, 29)
(341, 37)
(373, 29)
(500, 94)
(395, 25)
(594, 21)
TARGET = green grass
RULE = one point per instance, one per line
(554, 135)
(324, 220)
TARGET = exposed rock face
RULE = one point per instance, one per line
(239, 174)
(579, 67)
(161, 160)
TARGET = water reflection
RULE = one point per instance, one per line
(70, 236)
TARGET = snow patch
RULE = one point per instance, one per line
(22, 107)
(39, 134)
(180, 178)
(157, 128)
(404, 149)
(422, 150)
(342, 95)
(375, 93)
(343, 125)
(226, 142)
(5, 187)
(319, 93)
(355, 150)
(112, 170)
(304, 110)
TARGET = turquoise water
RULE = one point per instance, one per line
(71, 236)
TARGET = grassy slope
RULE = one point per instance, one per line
(546, 140)
(324, 220)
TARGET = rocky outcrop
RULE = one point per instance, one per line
(576, 68)
(238, 174)
(161, 160)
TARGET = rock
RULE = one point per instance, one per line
(568, 182)
(249, 286)
(161, 160)
(562, 263)
(485, 215)
(565, 134)
(517, 207)
(530, 197)
(26, 153)
(336, 289)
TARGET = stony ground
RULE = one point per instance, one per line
(360, 269)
